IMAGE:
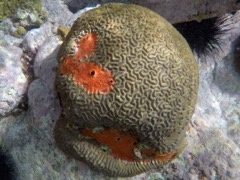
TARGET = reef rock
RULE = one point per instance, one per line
(13, 82)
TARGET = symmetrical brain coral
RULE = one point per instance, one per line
(128, 84)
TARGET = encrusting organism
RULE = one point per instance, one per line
(128, 84)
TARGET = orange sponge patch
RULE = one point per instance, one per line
(121, 144)
(125, 146)
(93, 78)
(86, 45)
(89, 74)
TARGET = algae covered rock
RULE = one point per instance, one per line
(128, 84)
(22, 15)
(9, 7)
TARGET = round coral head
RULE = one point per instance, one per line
(128, 81)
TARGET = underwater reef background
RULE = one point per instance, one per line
(29, 106)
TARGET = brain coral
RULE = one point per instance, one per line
(128, 84)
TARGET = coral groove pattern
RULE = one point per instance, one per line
(128, 84)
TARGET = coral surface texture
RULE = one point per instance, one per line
(120, 94)
(128, 84)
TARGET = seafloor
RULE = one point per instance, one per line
(27, 69)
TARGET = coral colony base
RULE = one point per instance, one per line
(128, 83)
